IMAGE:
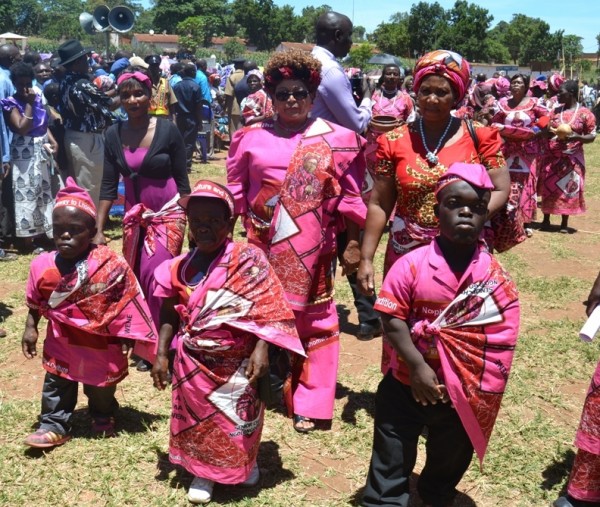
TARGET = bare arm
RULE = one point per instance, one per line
(30, 335)
(423, 380)
(169, 323)
(501, 179)
(381, 204)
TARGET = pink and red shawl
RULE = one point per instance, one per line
(89, 312)
(166, 226)
(323, 180)
(475, 336)
(584, 482)
(217, 416)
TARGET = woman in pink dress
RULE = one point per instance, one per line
(148, 152)
(516, 119)
(296, 181)
(564, 170)
(388, 101)
(257, 106)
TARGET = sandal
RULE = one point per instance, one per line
(299, 419)
(42, 439)
(104, 427)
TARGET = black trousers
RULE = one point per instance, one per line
(364, 304)
(399, 420)
(188, 127)
(59, 397)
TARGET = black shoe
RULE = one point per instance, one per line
(143, 365)
(369, 330)
(569, 501)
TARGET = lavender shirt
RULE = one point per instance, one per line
(334, 101)
(40, 117)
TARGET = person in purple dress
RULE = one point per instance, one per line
(31, 151)
(149, 153)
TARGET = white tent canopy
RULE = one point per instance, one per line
(13, 37)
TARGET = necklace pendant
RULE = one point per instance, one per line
(431, 158)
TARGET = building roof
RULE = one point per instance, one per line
(156, 38)
(216, 41)
(302, 46)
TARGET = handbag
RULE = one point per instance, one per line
(506, 229)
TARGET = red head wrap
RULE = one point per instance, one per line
(447, 64)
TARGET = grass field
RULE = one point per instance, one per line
(528, 459)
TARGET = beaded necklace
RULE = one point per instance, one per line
(431, 156)
(572, 117)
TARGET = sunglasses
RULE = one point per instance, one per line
(284, 95)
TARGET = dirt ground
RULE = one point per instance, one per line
(357, 356)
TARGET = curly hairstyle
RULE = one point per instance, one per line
(292, 64)
(524, 77)
(21, 69)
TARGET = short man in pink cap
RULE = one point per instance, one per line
(94, 307)
(451, 314)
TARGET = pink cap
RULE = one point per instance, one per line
(207, 188)
(74, 195)
(475, 175)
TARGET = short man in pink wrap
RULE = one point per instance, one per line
(94, 306)
(452, 315)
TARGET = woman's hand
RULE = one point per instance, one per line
(351, 258)
(126, 346)
(30, 96)
(593, 299)
(425, 386)
(258, 365)
(160, 372)
(99, 238)
(365, 277)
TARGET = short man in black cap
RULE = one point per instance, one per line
(86, 112)
(163, 97)
(232, 106)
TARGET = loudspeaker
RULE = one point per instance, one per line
(100, 18)
(121, 19)
(86, 20)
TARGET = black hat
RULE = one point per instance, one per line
(153, 60)
(238, 60)
(70, 51)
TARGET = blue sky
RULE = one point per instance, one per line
(578, 17)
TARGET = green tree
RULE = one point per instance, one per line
(527, 39)
(233, 47)
(466, 31)
(61, 19)
(496, 51)
(24, 17)
(358, 33)
(192, 33)
(259, 19)
(304, 30)
(360, 54)
(215, 13)
(572, 48)
(392, 38)
(425, 22)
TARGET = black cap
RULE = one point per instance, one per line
(153, 60)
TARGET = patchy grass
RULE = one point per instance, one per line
(530, 451)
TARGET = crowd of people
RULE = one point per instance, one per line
(455, 168)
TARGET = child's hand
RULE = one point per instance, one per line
(126, 346)
(425, 386)
(28, 342)
(160, 372)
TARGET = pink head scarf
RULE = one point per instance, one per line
(138, 76)
(447, 64)
(207, 188)
(74, 195)
(502, 86)
(475, 175)
(554, 82)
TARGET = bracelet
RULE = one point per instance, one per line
(28, 117)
